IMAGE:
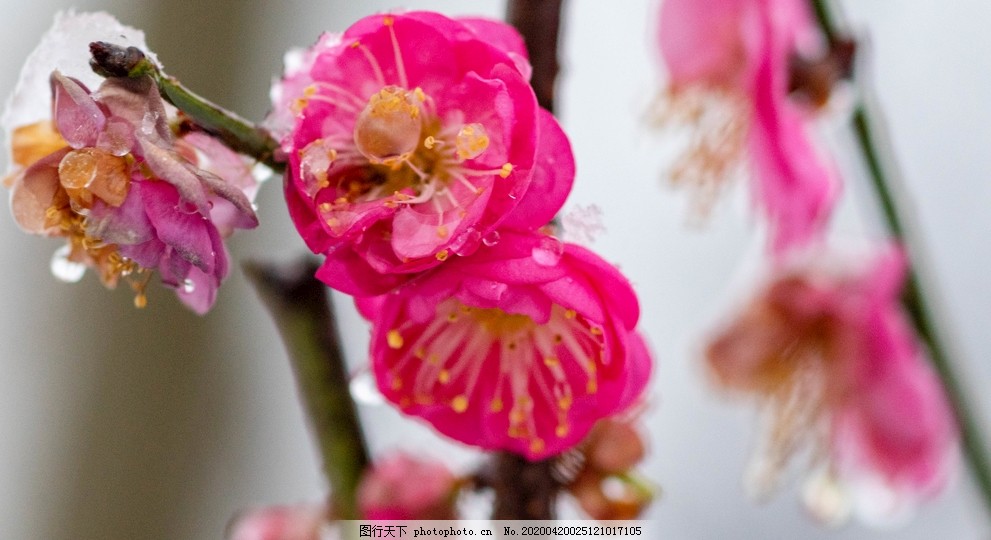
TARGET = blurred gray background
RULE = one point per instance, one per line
(158, 424)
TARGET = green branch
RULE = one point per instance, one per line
(237, 133)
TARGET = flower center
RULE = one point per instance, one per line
(399, 153)
(388, 128)
(532, 371)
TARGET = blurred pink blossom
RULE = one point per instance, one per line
(400, 486)
(830, 352)
(303, 522)
(728, 73)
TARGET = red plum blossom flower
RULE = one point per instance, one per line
(521, 346)
(728, 70)
(831, 354)
(104, 170)
(402, 487)
(410, 137)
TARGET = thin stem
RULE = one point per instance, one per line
(300, 307)
(887, 186)
(523, 489)
(239, 134)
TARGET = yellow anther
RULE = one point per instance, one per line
(140, 301)
(326, 207)
(444, 376)
(516, 416)
(397, 383)
(562, 430)
(592, 387)
(442, 232)
(570, 314)
(595, 330)
(496, 405)
(394, 339)
(537, 445)
(471, 141)
(418, 94)
(388, 20)
(441, 255)
(506, 170)
(550, 361)
(564, 403)
(429, 142)
(459, 404)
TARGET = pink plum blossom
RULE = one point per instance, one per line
(400, 487)
(728, 70)
(410, 137)
(301, 522)
(831, 353)
(106, 172)
(520, 346)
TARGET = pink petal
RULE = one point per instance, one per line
(78, 118)
(553, 176)
(33, 192)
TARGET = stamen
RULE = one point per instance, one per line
(400, 66)
(327, 99)
(471, 141)
(371, 61)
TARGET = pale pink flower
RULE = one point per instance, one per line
(302, 522)
(400, 486)
(105, 171)
(728, 71)
(831, 354)
(521, 346)
(412, 137)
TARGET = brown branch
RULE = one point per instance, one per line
(540, 22)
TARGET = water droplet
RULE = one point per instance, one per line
(548, 251)
(148, 122)
(467, 242)
(363, 389)
(254, 207)
(188, 286)
(64, 269)
(491, 239)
